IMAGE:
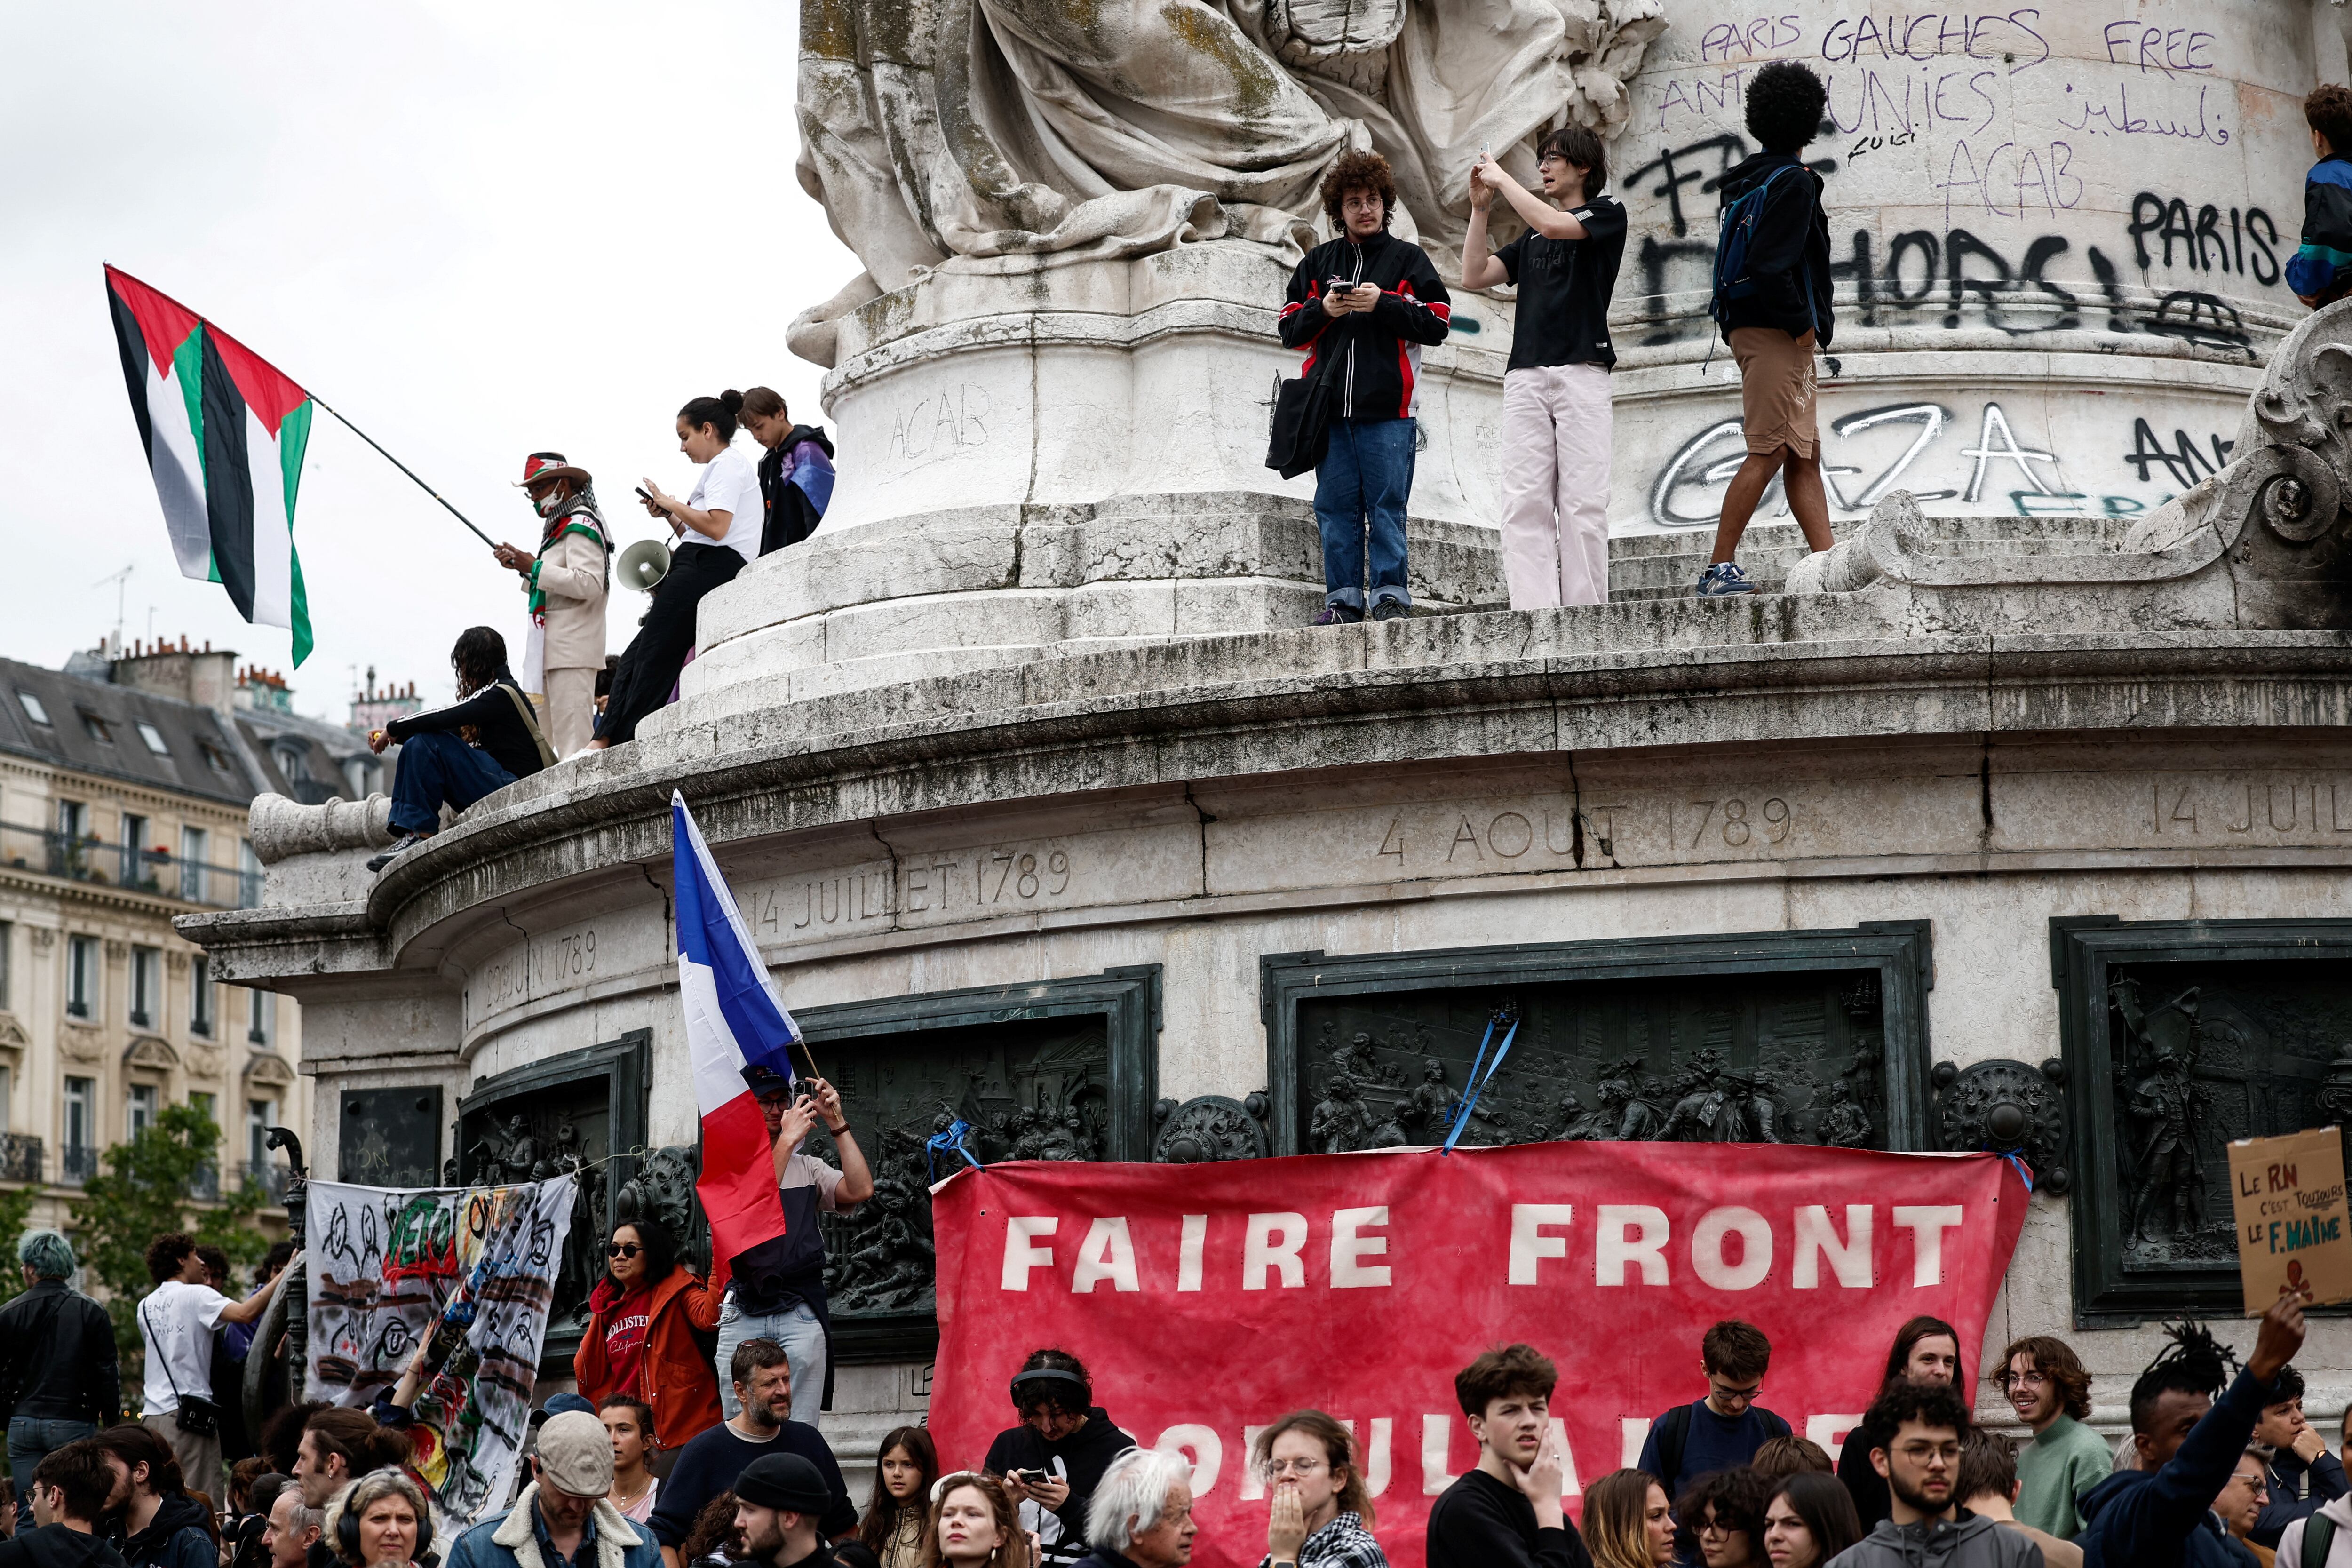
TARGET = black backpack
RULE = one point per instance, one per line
(1673, 1432)
(1736, 231)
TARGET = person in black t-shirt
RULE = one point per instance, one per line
(438, 765)
(1507, 1512)
(1556, 419)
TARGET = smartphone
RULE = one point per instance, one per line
(1032, 1477)
(641, 494)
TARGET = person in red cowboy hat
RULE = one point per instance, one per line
(567, 580)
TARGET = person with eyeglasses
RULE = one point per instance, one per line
(2044, 1383)
(1722, 1431)
(1320, 1513)
(640, 1341)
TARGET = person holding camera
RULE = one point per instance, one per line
(1556, 410)
(176, 1320)
(1053, 1461)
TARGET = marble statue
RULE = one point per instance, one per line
(939, 132)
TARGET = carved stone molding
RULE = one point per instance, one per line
(267, 1070)
(176, 962)
(2010, 1109)
(1211, 1127)
(280, 828)
(81, 1044)
(12, 1034)
(148, 1051)
(44, 938)
(117, 949)
(207, 1061)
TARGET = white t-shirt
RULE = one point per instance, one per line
(729, 484)
(178, 1322)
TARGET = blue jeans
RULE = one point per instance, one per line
(31, 1441)
(1362, 484)
(436, 766)
(803, 1337)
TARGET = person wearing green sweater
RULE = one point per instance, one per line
(2047, 1386)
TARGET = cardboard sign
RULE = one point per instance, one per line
(2292, 1233)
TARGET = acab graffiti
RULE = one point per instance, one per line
(1924, 448)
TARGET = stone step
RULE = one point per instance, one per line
(1667, 565)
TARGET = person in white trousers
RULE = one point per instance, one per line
(1556, 407)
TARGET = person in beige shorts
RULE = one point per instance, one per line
(1777, 315)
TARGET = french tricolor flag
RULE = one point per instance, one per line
(734, 1020)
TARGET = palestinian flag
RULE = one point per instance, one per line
(224, 433)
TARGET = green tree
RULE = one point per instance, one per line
(145, 1192)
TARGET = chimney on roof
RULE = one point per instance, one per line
(201, 676)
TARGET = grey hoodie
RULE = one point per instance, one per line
(2340, 1553)
(1974, 1541)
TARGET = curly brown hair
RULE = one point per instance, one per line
(2328, 111)
(2055, 1360)
(1359, 172)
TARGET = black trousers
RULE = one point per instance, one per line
(649, 666)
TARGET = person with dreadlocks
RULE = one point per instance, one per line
(567, 580)
(2187, 1445)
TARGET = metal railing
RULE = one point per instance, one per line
(270, 1177)
(203, 1184)
(20, 1157)
(85, 857)
(76, 1164)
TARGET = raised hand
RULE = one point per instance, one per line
(1285, 1526)
(2278, 1339)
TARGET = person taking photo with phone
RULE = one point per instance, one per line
(1053, 1461)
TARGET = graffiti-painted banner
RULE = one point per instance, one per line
(391, 1264)
(1207, 1300)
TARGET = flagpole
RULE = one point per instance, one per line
(404, 469)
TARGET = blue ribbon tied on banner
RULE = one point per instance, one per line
(951, 1142)
(1477, 1084)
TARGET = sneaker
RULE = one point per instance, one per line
(400, 846)
(1339, 615)
(1722, 580)
(1389, 610)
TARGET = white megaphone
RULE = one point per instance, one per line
(642, 565)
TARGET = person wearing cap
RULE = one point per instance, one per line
(561, 1520)
(776, 1291)
(1052, 1462)
(780, 1502)
(567, 580)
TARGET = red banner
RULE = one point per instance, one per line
(1206, 1300)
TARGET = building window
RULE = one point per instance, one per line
(135, 839)
(7, 1102)
(33, 708)
(195, 843)
(265, 1019)
(79, 1160)
(214, 755)
(73, 819)
(7, 959)
(99, 731)
(139, 1113)
(200, 995)
(155, 739)
(260, 1116)
(82, 977)
(146, 986)
(204, 1105)
(248, 876)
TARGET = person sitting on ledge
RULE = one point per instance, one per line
(455, 755)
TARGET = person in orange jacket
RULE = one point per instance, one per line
(640, 1336)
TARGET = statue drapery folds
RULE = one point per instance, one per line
(939, 130)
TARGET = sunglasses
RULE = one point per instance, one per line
(622, 1250)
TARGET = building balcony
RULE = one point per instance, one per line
(270, 1177)
(76, 1164)
(20, 1157)
(79, 858)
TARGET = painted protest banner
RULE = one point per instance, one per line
(2292, 1236)
(1207, 1300)
(390, 1266)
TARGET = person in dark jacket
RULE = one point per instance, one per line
(70, 1486)
(2302, 1477)
(1065, 1435)
(1363, 306)
(438, 765)
(2320, 272)
(60, 1381)
(1926, 1350)
(795, 469)
(2161, 1515)
(1507, 1512)
(165, 1525)
(1917, 1431)
(1778, 317)
(712, 1463)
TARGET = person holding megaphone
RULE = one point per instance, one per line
(719, 526)
(567, 580)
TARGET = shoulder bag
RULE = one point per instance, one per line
(198, 1417)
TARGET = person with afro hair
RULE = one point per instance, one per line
(2320, 272)
(1363, 305)
(1776, 313)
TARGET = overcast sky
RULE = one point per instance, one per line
(476, 230)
